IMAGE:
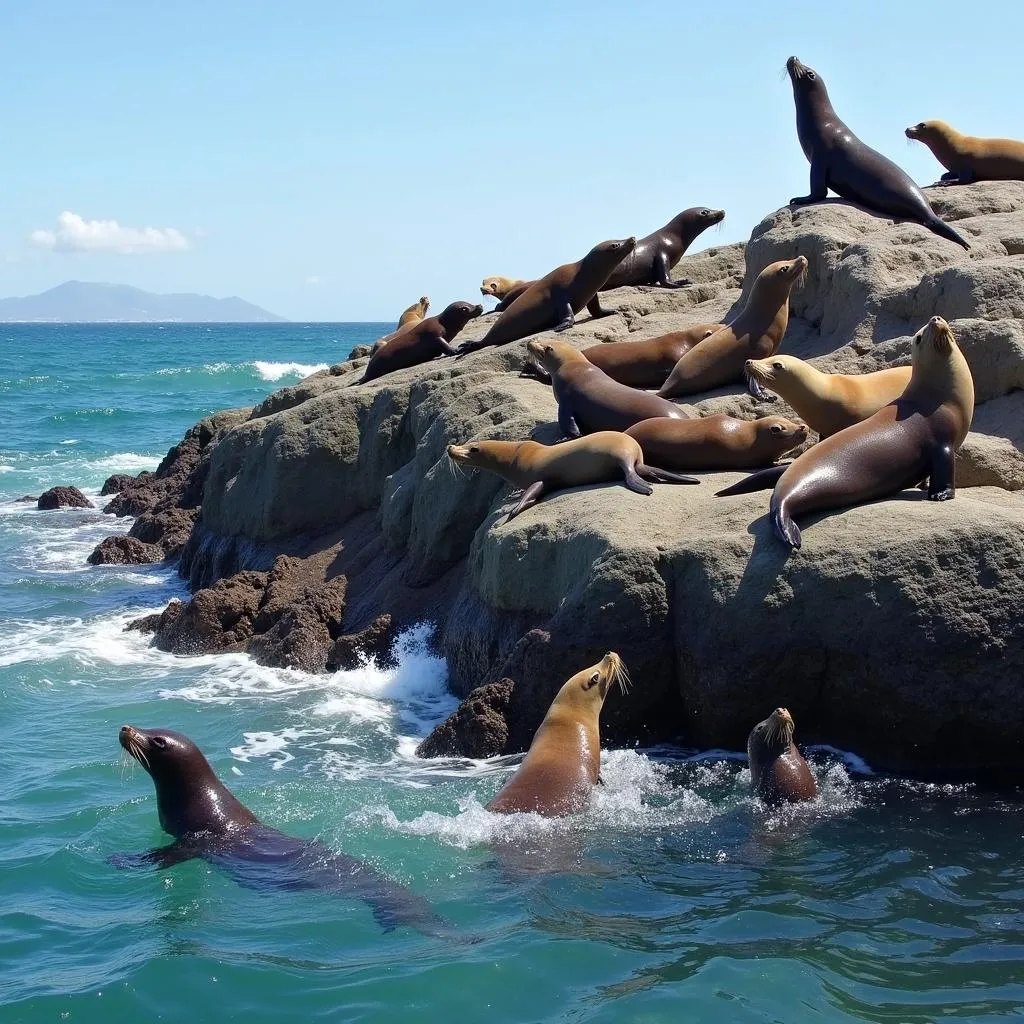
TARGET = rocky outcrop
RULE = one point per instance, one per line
(894, 632)
(116, 483)
(62, 497)
(124, 550)
(478, 728)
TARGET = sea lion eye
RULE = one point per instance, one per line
(812, 76)
(474, 448)
(159, 742)
(705, 213)
(775, 428)
(776, 366)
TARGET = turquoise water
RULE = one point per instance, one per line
(674, 898)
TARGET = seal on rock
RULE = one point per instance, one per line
(654, 258)
(778, 772)
(828, 402)
(968, 158)
(553, 302)
(208, 821)
(540, 469)
(414, 313)
(755, 334)
(421, 342)
(841, 162)
(912, 439)
(562, 766)
(505, 289)
(716, 442)
(588, 399)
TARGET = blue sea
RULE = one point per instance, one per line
(675, 898)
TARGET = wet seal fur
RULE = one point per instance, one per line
(968, 158)
(755, 334)
(540, 469)
(853, 170)
(563, 764)
(778, 772)
(827, 402)
(912, 439)
(420, 342)
(553, 302)
(717, 442)
(655, 256)
(588, 399)
(505, 289)
(209, 822)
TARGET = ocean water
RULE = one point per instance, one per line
(675, 897)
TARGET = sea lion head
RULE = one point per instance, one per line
(551, 355)
(806, 81)
(697, 217)
(456, 315)
(496, 286)
(774, 369)
(928, 131)
(614, 251)
(424, 303)
(492, 455)
(935, 338)
(779, 278)
(588, 689)
(782, 434)
(771, 738)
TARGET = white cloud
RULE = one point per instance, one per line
(76, 234)
(313, 280)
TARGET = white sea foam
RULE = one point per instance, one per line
(269, 744)
(124, 462)
(6, 469)
(275, 371)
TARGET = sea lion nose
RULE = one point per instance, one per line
(935, 321)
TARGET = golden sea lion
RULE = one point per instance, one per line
(968, 158)
(563, 763)
(415, 313)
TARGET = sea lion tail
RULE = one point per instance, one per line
(785, 529)
(759, 481)
(940, 227)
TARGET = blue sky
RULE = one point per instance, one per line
(331, 160)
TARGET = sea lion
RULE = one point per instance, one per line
(540, 469)
(778, 772)
(716, 442)
(911, 439)
(208, 821)
(968, 158)
(505, 289)
(755, 334)
(421, 341)
(553, 301)
(561, 767)
(414, 313)
(841, 162)
(655, 256)
(828, 402)
(588, 399)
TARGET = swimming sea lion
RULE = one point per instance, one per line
(828, 402)
(968, 158)
(540, 469)
(654, 257)
(414, 313)
(778, 772)
(911, 439)
(421, 341)
(755, 334)
(588, 399)
(553, 301)
(562, 765)
(841, 162)
(505, 289)
(208, 821)
(716, 442)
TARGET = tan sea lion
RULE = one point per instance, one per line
(552, 302)
(505, 289)
(588, 399)
(414, 313)
(655, 256)
(716, 442)
(778, 772)
(561, 767)
(911, 439)
(755, 334)
(421, 342)
(828, 402)
(540, 469)
(968, 158)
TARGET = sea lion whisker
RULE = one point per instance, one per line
(622, 678)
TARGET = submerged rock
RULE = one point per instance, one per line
(63, 497)
(478, 728)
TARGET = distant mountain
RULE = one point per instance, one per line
(82, 301)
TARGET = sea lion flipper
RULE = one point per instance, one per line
(596, 310)
(162, 857)
(755, 388)
(634, 482)
(568, 319)
(785, 529)
(567, 422)
(533, 372)
(663, 476)
(662, 275)
(759, 481)
(448, 350)
(529, 497)
(941, 483)
(819, 185)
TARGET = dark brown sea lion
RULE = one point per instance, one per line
(911, 439)
(653, 259)
(968, 158)
(562, 766)
(208, 821)
(540, 469)
(553, 302)
(754, 334)
(421, 342)
(778, 772)
(841, 162)
(505, 289)
(716, 442)
(588, 399)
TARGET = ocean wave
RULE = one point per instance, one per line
(275, 371)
